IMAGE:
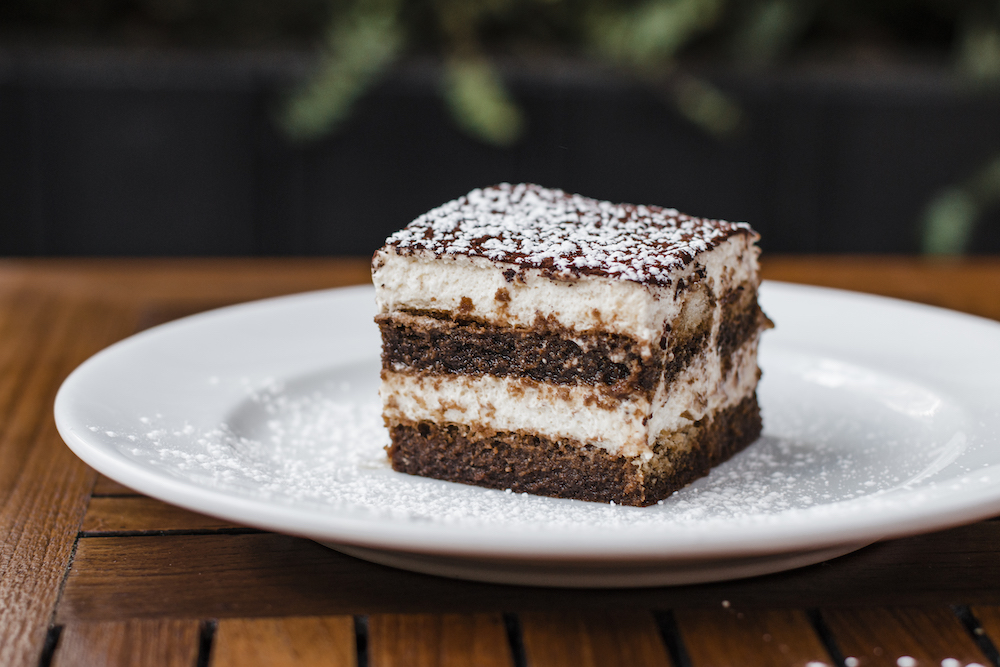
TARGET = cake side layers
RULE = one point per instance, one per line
(566, 468)
(684, 455)
(503, 294)
(587, 413)
(435, 343)
(704, 387)
(491, 403)
(544, 353)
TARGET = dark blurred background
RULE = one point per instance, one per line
(317, 127)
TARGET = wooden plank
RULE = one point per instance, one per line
(139, 513)
(152, 643)
(276, 642)
(989, 622)
(729, 637)
(31, 375)
(22, 317)
(429, 640)
(220, 576)
(209, 576)
(592, 640)
(150, 281)
(901, 636)
(50, 325)
(105, 486)
(969, 284)
(45, 496)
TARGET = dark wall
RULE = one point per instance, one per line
(159, 154)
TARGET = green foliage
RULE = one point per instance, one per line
(359, 49)
(979, 44)
(707, 106)
(979, 57)
(480, 102)
(770, 29)
(951, 217)
(651, 33)
(948, 222)
(645, 38)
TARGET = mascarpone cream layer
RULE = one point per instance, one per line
(701, 389)
(441, 283)
(582, 413)
(579, 412)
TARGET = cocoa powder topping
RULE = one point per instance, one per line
(564, 235)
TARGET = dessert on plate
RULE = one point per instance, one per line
(550, 343)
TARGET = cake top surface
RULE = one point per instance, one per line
(564, 235)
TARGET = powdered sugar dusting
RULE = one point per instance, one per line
(565, 235)
(318, 444)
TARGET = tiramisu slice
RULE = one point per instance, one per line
(539, 341)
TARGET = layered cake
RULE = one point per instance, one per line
(549, 343)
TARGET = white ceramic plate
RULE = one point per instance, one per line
(882, 419)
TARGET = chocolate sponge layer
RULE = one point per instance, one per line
(436, 343)
(566, 468)
(545, 354)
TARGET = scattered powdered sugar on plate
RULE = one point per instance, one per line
(318, 443)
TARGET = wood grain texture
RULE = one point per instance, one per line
(989, 622)
(44, 487)
(431, 640)
(730, 637)
(52, 317)
(147, 643)
(279, 642)
(882, 636)
(32, 372)
(573, 639)
(139, 513)
(161, 282)
(967, 284)
(22, 349)
(105, 486)
(209, 576)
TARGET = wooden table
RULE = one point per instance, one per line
(92, 573)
